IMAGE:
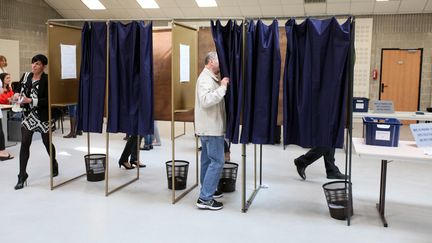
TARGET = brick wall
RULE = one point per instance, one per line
(404, 31)
(24, 20)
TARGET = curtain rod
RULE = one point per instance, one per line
(150, 19)
(202, 19)
(210, 18)
(104, 20)
(301, 17)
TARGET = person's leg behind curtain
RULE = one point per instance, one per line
(305, 160)
(329, 162)
(72, 120)
(313, 154)
(227, 151)
(129, 146)
(134, 155)
(148, 142)
(156, 136)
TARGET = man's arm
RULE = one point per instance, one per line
(209, 97)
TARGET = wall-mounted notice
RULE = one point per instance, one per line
(383, 106)
(363, 48)
(68, 61)
(10, 49)
(184, 63)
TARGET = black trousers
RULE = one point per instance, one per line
(130, 149)
(315, 153)
(2, 137)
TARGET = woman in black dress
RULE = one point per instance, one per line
(34, 100)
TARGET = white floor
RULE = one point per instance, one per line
(289, 210)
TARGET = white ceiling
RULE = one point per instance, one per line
(117, 9)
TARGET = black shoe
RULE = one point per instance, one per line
(300, 168)
(70, 135)
(218, 194)
(3, 158)
(22, 181)
(210, 204)
(135, 164)
(126, 165)
(146, 147)
(79, 133)
(337, 175)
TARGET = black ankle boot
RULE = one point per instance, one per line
(55, 169)
(22, 180)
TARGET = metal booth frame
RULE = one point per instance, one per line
(174, 111)
(246, 203)
(107, 189)
(348, 143)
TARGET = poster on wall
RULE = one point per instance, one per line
(10, 50)
(363, 48)
(68, 61)
(184, 63)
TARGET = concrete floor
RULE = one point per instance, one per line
(288, 210)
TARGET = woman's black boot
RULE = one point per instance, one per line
(22, 180)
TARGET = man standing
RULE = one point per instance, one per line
(210, 127)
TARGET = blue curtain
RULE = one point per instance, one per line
(91, 97)
(315, 82)
(262, 77)
(229, 44)
(130, 102)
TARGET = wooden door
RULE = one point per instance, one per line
(400, 78)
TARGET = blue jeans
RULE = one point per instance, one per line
(212, 162)
(72, 110)
(148, 139)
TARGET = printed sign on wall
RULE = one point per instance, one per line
(363, 48)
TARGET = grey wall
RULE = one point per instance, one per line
(404, 31)
(24, 20)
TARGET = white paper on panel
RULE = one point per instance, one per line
(184, 63)
(68, 61)
(363, 48)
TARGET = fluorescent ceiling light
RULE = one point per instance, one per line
(382, 0)
(206, 3)
(93, 4)
(148, 3)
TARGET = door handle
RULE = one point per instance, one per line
(382, 87)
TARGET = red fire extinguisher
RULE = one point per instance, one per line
(375, 74)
